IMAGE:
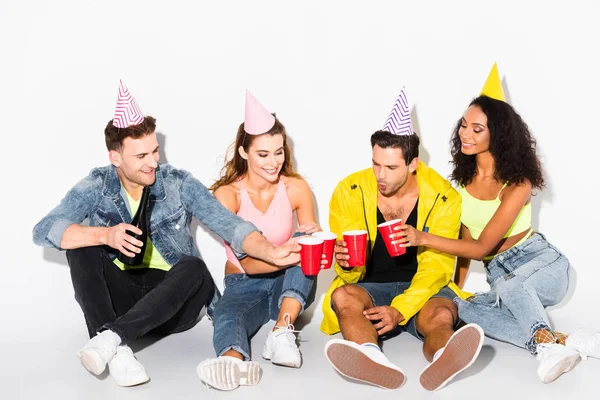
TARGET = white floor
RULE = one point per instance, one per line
(38, 361)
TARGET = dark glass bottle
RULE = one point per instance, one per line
(140, 220)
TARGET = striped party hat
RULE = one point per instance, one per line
(127, 112)
(257, 120)
(399, 122)
(493, 86)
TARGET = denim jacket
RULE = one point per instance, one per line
(175, 197)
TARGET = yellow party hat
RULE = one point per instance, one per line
(493, 86)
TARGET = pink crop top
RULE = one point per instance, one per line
(276, 224)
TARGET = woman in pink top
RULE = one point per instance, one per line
(259, 184)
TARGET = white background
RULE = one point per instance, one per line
(331, 71)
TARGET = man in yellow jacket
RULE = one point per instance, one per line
(412, 292)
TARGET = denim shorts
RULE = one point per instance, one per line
(382, 294)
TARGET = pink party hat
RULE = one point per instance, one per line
(257, 120)
(127, 112)
(399, 122)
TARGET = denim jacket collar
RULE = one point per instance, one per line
(112, 185)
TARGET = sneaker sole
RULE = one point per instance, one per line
(285, 363)
(461, 351)
(563, 366)
(231, 373)
(353, 364)
(131, 382)
(91, 363)
(266, 354)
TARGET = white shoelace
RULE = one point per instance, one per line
(288, 330)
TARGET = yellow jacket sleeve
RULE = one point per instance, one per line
(342, 209)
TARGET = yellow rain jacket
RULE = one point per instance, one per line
(353, 205)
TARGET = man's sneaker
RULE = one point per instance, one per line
(459, 353)
(125, 369)
(586, 343)
(227, 373)
(280, 346)
(555, 360)
(363, 363)
(98, 351)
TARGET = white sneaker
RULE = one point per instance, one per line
(227, 373)
(280, 346)
(586, 343)
(460, 352)
(125, 369)
(363, 363)
(98, 351)
(555, 360)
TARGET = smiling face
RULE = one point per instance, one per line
(473, 132)
(265, 156)
(136, 162)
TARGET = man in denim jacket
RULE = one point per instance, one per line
(173, 284)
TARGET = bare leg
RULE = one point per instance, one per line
(436, 322)
(349, 302)
(234, 354)
(291, 307)
(354, 357)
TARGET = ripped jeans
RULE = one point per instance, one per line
(523, 281)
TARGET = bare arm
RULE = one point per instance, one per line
(514, 199)
(301, 199)
(278, 258)
(77, 236)
(462, 263)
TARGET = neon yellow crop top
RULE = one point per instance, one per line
(477, 213)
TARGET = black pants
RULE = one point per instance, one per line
(131, 303)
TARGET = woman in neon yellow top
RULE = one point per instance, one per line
(497, 169)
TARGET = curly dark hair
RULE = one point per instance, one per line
(511, 144)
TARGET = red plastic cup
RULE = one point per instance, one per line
(386, 229)
(356, 241)
(328, 245)
(311, 254)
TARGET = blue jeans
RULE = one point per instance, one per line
(382, 294)
(523, 280)
(250, 301)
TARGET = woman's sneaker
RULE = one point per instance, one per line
(586, 343)
(227, 373)
(280, 346)
(555, 360)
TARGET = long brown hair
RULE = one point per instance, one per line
(235, 166)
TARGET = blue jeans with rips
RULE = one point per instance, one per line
(523, 281)
(250, 301)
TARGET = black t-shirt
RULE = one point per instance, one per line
(381, 267)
